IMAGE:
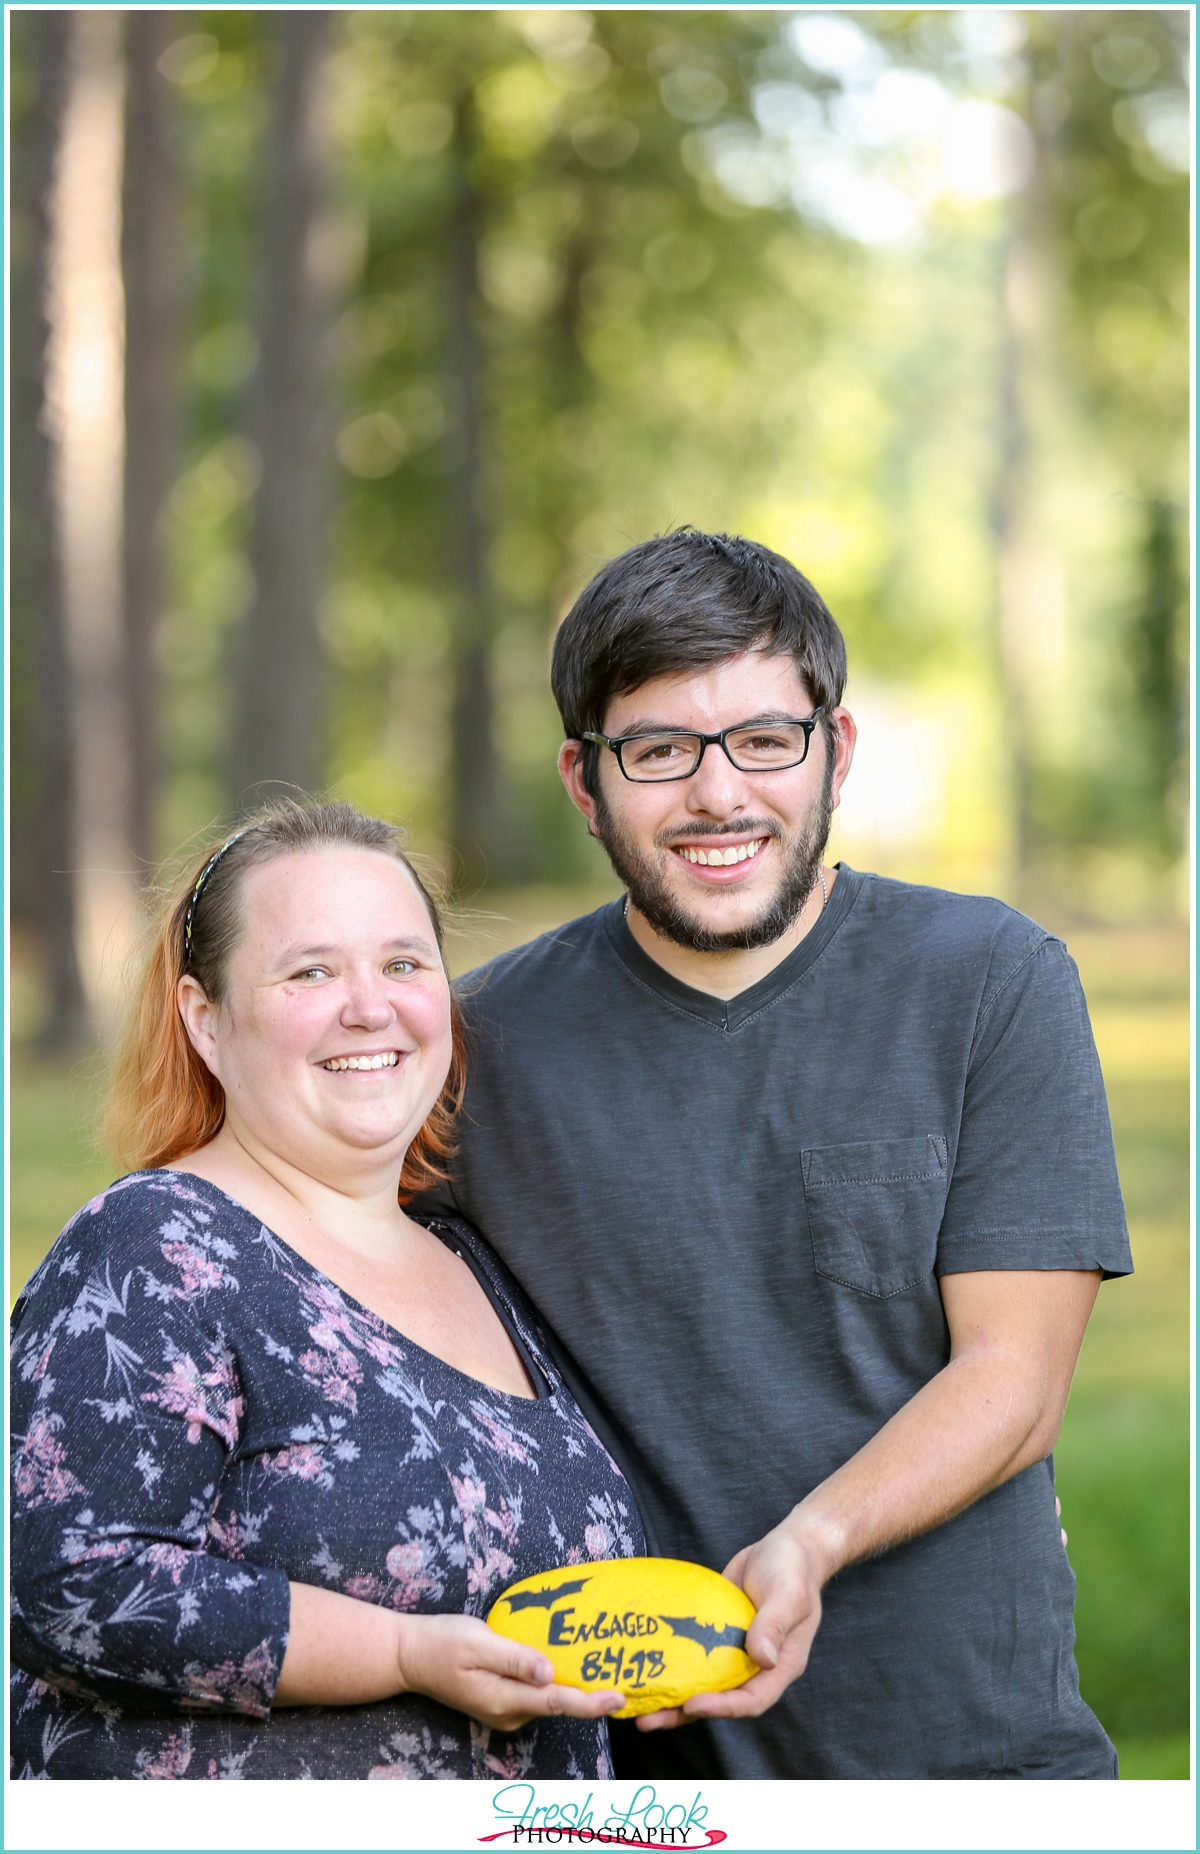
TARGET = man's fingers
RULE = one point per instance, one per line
(773, 1624)
(661, 1721)
(733, 1570)
(763, 1642)
(746, 1702)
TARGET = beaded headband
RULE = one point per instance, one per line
(207, 870)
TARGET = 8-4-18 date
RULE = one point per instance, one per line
(617, 1669)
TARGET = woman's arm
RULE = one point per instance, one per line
(126, 1405)
(342, 1652)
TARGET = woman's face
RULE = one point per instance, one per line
(333, 1038)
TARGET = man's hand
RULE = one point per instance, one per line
(782, 1575)
(992, 1411)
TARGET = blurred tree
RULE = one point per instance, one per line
(1113, 112)
(477, 820)
(43, 735)
(277, 736)
(537, 243)
(627, 268)
(151, 266)
(1156, 684)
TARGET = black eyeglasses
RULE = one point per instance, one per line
(651, 759)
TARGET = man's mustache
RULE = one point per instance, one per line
(750, 827)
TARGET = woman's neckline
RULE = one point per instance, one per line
(162, 1171)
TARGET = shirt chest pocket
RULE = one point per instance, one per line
(874, 1210)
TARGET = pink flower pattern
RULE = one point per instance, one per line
(42, 1473)
(207, 1400)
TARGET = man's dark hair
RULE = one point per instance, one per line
(677, 603)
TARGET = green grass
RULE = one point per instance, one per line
(54, 1167)
(1122, 1476)
(1123, 1457)
(1150, 1759)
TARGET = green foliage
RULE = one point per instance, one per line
(1123, 1480)
(589, 283)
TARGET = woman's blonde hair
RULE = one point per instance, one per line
(164, 1101)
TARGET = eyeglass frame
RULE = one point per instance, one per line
(706, 740)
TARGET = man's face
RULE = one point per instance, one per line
(778, 822)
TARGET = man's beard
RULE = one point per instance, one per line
(649, 894)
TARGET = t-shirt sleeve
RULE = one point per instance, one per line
(1034, 1180)
(127, 1405)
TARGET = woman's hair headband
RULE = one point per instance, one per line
(207, 870)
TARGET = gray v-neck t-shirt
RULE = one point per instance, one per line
(732, 1218)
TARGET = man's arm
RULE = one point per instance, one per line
(995, 1408)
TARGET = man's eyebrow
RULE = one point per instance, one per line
(642, 725)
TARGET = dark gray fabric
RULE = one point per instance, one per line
(733, 1217)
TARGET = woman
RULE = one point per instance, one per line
(278, 1447)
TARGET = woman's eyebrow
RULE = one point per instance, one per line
(404, 943)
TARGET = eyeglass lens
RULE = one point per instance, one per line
(751, 749)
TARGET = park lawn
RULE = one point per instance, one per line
(1122, 1462)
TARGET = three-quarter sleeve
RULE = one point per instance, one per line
(127, 1407)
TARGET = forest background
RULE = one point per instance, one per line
(346, 346)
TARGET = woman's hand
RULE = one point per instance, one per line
(461, 1662)
(343, 1652)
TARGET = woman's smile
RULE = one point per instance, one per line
(365, 1062)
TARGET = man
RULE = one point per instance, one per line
(811, 1176)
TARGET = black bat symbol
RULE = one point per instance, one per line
(706, 1633)
(543, 1598)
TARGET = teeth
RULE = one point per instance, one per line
(711, 859)
(338, 1063)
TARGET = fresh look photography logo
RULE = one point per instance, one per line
(644, 1822)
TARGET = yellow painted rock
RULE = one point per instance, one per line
(657, 1628)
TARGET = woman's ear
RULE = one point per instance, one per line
(199, 1020)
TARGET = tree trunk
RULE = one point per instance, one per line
(476, 822)
(279, 718)
(85, 390)
(1010, 509)
(44, 836)
(1025, 289)
(1157, 685)
(151, 268)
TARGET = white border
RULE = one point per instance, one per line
(459, 1815)
(842, 1816)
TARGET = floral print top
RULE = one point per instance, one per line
(198, 1416)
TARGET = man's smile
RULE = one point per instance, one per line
(715, 856)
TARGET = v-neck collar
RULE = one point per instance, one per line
(731, 1013)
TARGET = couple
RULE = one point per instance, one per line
(797, 1187)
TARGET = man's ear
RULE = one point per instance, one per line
(570, 767)
(843, 753)
(198, 1015)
